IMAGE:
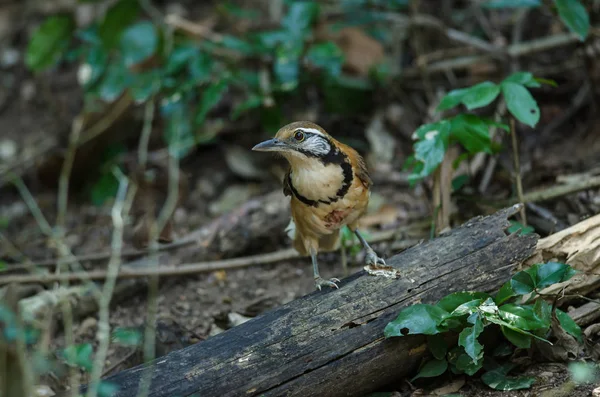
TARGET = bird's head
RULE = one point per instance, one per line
(300, 141)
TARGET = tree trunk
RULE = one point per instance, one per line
(331, 343)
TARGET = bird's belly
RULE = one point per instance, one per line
(329, 218)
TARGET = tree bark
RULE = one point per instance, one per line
(331, 342)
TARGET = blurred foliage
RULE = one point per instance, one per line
(127, 53)
(518, 309)
(79, 356)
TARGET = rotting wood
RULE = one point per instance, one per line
(332, 340)
(586, 313)
(577, 246)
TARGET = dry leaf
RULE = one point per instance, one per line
(361, 51)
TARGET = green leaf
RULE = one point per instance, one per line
(106, 187)
(300, 17)
(96, 60)
(432, 145)
(236, 44)
(49, 42)
(116, 20)
(505, 293)
(472, 132)
(116, 80)
(459, 181)
(286, 66)
(518, 339)
(575, 16)
(138, 43)
(460, 362)
(480, 95)
(546, 81)
(543, 312)
(211, 96)
(452, 99)
(519, 227)
(522, 317)
(432, 369)
(569, 325)
(417, 319)
(127, 336)
(200, 67)
(107, 389)
(437, 346)
(511, 3)
(520, 103)
(450, 302)
(474, 97)
(2, 265)
(181, 55)
(79, 355)
(178, 133)
(522, 283)
(327, 56)
(552, 273)
(523, 78)
(145, 85)
(251, 102)
(465, 364)
(468, 338)
(503, 349)
(497, 379)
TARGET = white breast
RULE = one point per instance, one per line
(316, 181)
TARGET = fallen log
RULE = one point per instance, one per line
(330, 342)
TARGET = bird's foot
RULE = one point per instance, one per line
(371, 258)
(319, 282)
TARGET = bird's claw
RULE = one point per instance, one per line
(319, 282)
(372, 259)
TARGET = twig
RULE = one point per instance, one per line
(63, 196)
(152, 307)
(145, 135)
(121, 361)
(97, 256)
(572, 186)
(195, 268)
(107, 120)
(65, 174)
(44, 226)
(120, 209)
(514, 50)
(517, 165)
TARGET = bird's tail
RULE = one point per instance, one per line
(330, 242)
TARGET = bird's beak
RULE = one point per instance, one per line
(272, 145)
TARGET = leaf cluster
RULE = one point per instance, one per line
(471, 131)
(469, 313)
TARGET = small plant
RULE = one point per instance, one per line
(469, 313)
(469, 130)
(571, 12)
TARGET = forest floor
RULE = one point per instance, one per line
(36, 113)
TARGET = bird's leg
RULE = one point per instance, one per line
(319, 281)
(371, 257)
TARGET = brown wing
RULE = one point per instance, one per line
(361, 170)
(287, 190)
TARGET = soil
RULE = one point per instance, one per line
(37, 112)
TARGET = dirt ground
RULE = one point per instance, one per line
(35, 113)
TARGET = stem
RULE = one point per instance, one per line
(517, 166)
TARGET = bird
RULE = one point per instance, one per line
(329, 188)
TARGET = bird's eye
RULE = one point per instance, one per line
(299, 136)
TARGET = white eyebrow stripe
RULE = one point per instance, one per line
(311, 130)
